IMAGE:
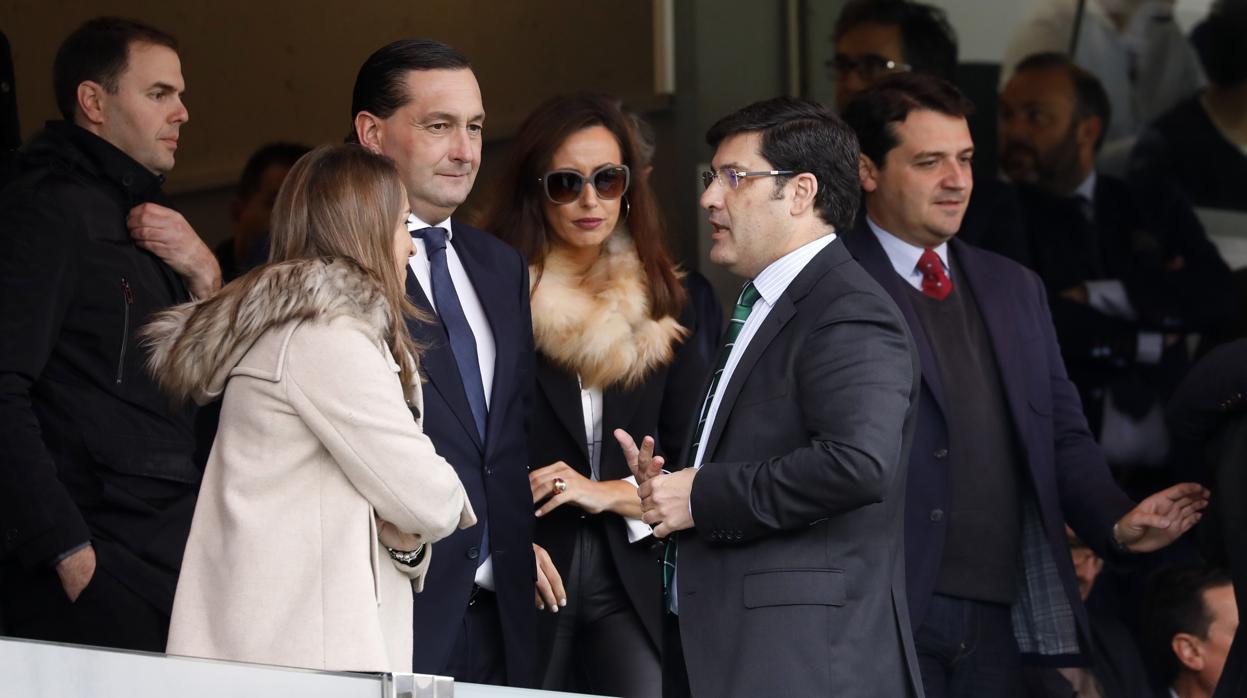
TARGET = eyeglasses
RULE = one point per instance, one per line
(869, 67)
(731, 178)
(564, 186)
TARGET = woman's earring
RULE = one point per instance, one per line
(627, 208)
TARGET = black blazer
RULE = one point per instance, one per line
(494, 473)
(663, 406)
(792, 582)
(1065, 471)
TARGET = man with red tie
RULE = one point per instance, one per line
(1001, 456)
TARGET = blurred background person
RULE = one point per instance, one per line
(1190, 621)
(322, 492)
(252, 206)
(615, 350)
(1201, 144)
(1128, 269)
(877, 38)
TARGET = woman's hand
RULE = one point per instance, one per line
(615, 496)
(394, 539)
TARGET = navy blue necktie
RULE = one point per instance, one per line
(462, 341)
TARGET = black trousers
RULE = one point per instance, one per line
(600, 645)
(107, 613)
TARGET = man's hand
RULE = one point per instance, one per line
(1078, 294)
(641, 461)
(76, 571)
(166, 234)
(1161, 518)
(594, 497)
(664, 502)
(550, 592)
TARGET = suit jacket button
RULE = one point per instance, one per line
(940, 453)
(937, 515)
(474, 552)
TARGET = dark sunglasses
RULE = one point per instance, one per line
(869, 67)
(564, 186)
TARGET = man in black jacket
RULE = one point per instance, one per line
(97, 485)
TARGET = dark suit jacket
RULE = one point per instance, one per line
(495, 473)
(1148, 238)
(664, 406)
(1065, 470)
(792, 582)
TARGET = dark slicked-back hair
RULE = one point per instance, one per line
(99, 51)
(518, 217)
(874, 113)
(928, 40)
(802, 136)
(380, 86)
(1175, 604)
(284, 154)
(1090, 99)
(1219, 40)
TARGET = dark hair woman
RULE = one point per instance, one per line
(612, 327)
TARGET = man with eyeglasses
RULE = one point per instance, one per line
(1001, 456)
(785, 572)
(877, 38)
(418, 102)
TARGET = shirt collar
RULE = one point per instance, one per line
(414, 223)
(772, 281)
(1087, 189)
(904, 256)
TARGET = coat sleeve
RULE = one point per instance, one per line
(338, 381)
(38, 269)
(854, 380)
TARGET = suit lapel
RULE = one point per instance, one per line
(438, 361)
(563, 392)
(871, 256)
(998, 311)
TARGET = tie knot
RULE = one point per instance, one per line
(434, 238)
(748, 296)
(935, 281)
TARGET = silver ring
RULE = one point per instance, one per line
(560, 485)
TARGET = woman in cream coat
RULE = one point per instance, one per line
(322, 494)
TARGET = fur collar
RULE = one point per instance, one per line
(195, 345)
(598, 325)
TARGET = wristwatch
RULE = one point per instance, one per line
(411, 558)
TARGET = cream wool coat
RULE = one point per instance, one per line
(283, 565)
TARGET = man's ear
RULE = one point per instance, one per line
(867, 173)
(804, 190)
(91, 97)
(1189, 651)
(368, 130)
(1089, 131)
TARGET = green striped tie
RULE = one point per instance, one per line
(748, 296)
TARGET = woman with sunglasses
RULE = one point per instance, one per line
(612, 327)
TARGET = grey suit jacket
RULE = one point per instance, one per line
(792, 582)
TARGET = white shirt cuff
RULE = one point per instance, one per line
(637, 529)
(1151, 346)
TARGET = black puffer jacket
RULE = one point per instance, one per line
(89, 449)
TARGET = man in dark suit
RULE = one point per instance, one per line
(1001, 456)
(787, 575)
(1128, 269)
(418, 102)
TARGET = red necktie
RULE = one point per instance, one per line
(935, 283)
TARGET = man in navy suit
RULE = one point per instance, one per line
(1001, 456)
(418, 102)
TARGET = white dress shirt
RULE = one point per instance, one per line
(592, 402)
(904, 256)
(486, 351)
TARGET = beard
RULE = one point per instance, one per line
(1057, 169)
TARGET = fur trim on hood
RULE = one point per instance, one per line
(195, 345)
(598, 325)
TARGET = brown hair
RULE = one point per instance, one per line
(344, 201)
(517, 216)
